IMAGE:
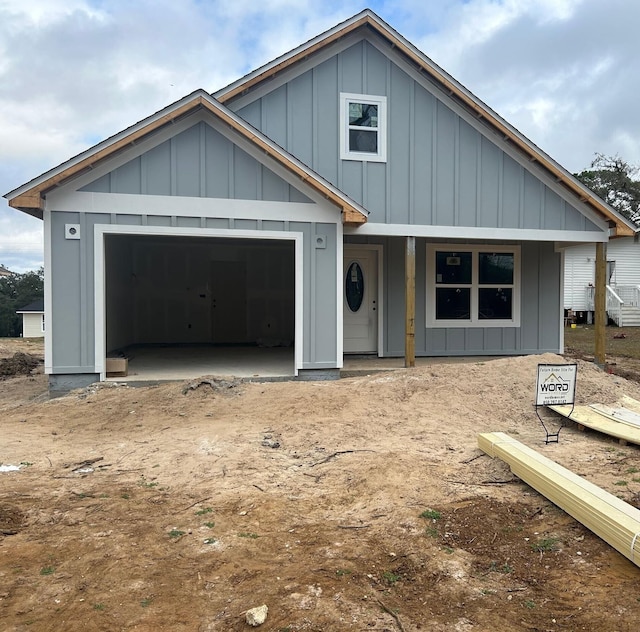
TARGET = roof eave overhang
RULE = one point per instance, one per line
(619, 226)
(30, 198)
(30, 203)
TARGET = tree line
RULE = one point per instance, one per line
(16, 291)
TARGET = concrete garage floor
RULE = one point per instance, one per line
(158, 364)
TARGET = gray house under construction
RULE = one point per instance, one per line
(350, 197)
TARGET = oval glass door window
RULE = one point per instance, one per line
(354, 287)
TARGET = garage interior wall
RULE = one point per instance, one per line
(176, 290)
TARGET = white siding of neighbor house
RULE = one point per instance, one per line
(579, 269)
(32, 325)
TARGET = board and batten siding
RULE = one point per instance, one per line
(198, 162)
(579, 269)
(539, 329)
(440, 169)
(72, 283)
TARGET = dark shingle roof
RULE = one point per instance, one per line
(34, 306)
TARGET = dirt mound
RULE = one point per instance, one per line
(18, 364)
(358, 504)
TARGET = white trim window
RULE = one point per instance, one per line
(363, 127)
(473, 286)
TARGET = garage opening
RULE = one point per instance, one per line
(180, 307)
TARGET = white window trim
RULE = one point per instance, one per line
(473, 321)
(381, 102)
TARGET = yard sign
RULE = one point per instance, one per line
(556, 386)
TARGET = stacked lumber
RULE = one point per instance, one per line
(610, 518)
(603, 420)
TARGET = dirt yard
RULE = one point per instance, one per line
(362, 504)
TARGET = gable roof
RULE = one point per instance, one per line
(367, 19)
(29, 197)
(34, 306)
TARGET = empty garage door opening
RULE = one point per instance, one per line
(187, 305)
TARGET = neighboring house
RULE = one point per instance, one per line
(33, 322)
(348, 197)
(622, 279)
(4, 272)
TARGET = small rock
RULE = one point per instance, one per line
(257, 616)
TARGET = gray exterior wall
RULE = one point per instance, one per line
(443, 168)
(539, 329)
(440, 169)
(72, 279)
(198, 162)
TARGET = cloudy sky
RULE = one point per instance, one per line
(73, 72)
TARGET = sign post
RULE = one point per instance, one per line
(556, 385)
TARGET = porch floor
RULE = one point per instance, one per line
(184, 362)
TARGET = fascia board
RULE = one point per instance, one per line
(109, 142)
(309, 47)
(292, 72)
(451, 85)
(303, 171)
(490, 134)
(186, 106)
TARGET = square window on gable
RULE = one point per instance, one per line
(363, 127)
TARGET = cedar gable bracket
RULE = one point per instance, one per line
(31, 203)
(351, 217)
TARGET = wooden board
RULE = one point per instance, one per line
(117, 367)
(630, 403)
(610, 518)
(591, 418)
(618, 413)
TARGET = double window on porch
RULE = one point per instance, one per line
(473, 286)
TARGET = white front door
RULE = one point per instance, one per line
(360, 299)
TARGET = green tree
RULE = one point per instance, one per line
(16, 291)
(615, 181)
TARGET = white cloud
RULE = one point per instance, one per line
(73, 72)
(573, 56)
(21, 243)
(37, 12)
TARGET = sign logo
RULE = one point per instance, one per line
(556, 384)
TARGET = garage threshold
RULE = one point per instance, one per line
(150, 364)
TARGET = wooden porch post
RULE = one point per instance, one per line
(410, 302)
(600, 304)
